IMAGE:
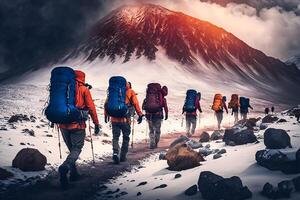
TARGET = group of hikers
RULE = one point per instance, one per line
(70, 105)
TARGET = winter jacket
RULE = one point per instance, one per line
(130, 100)
(83, 100)
(198, 107)
(244, 110)
(157, 115)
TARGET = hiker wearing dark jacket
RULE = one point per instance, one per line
(74, 133)
(244, 110)
(219, 114)
(191, 119)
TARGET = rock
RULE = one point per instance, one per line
(4, 174)
(22, 143)
(248, 123)
(194, 144)
(191, 190)
(162, 155)
(276, 139)
(269, 191)
(29, 131)
(207, 146)
(204, 137)
(142, 183)
(205, 151)
(282, 121)
(222, 151)
(3, 129)
(239, 137)
(216, 156)
(49, 135)
(296, 182)
(161, 186)
(216, 135)
(177, 176)
(214, 187)
(231, 143)
(139, 194)
(181, 139)
(263, 126)
(18, 117)
(285, 188)
(269, 119)
(29, 159)
(182, 157)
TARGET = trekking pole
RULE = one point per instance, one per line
(182, 121)
(59, 144)
(92, 145)
(132, 131)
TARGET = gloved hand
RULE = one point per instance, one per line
(106, 119)
(98, 130)
(201, 111)
(166, 117)
(140, 119)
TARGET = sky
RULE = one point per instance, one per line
(35, 33)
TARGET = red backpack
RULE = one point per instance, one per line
(154, 98)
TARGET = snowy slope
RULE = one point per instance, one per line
(294, 60)
(238, 161)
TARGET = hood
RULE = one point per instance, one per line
(128, 86)
(80, 76)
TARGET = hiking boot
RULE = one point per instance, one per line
(63, 171)
(123, 159)
(116, 158)
(74, 175)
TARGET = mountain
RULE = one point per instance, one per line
(294, 60)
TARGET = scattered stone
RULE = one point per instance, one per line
(139, 194)
(216, 135)
(182, 157)
(29, 131)
(276, 139)
(18, 117)
(239, 137)
(269, 119)
(177, 176)
(263, 126)
(248, 123)
(179, 140)
(282, 121)
(10, 145)
(204, 137)
(205, 151)
(222, 151)
(285, 188)
(162, 155)
(142, 183)
(216, 156)
(161, 186)
(29, 159)
(22, 143)
(4, 174)
(49, 135)
(194, 144)
(207, 146)
(191, 190)
(3, 129)
(231, 143)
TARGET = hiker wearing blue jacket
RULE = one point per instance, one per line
(244, 107)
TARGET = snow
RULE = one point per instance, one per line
(238, 161)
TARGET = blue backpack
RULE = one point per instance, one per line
(244, 104)
(116, 96)
(190, 101)
(61, 107)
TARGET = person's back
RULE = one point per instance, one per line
(267, 110)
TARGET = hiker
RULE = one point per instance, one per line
(244, 107)
(267, 110)
(154, 104)
(120, 97)
(273, 109)
(74, 133)
(190, 107)
(234, 104)
(218, 106)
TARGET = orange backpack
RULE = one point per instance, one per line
(234, 101)
(218, 103)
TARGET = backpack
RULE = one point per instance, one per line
(218, 103)
(244, 103)
(190, 101)
(116, 97)
(61, 107)
(154, 98)
(234, 101)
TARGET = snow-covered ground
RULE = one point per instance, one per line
(238, 161)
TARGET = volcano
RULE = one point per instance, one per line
(201, 48)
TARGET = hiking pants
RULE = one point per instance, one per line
(191, 122)
(219, 116)
(244, 115)
(154, 131)
(117, 127)
(74, 140)
(236, 117)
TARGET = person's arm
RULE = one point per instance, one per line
(166, 109)
(250, 107)
(89, 103)
(135, 103)
(199, 106)
(225, 106)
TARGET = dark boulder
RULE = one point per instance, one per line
(276, 139)
(182, 157)
(216, 135)
(263, 126)
(239, 137)
(18, 117)
(285, 188)
(214, 187)
(204, 137)
(194, 144)
(4, 174)
(269, 119)
(191, 190)
(217, 156)
(296, 182)
(181, 139)
(248, 123)
(281, 121)
(205, 151)
(29, 159)
(270, 191)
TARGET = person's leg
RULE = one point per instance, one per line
(236, 117)
(157, 127)
(151, 134)
(66, 137)
(116, 131)
(219, 116)
(126, 129)
(188, 125)
(194, 124)
(64, 168)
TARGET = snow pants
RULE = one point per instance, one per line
(219, 116)
(117, 128)
(154, 131)
(191, 122)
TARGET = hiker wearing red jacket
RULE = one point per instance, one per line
(154, 119)
(74, 133)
